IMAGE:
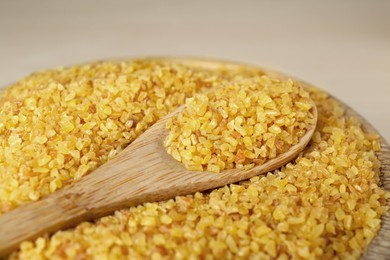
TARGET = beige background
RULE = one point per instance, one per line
(341, 46)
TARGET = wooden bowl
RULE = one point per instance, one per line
(380, 246)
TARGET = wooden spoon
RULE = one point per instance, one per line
(143, 172)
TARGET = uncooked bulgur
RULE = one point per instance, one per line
(239, 124)
(58, 125)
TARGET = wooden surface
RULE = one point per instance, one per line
(143, 172)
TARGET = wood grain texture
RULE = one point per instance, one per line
(76, 200)
(143, 172)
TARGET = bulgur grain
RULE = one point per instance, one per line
(59, 125)
(329, 192)
(239, 124)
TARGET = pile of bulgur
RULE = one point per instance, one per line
(239, 124)
(58, 125)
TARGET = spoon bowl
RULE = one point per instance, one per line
(143, 172)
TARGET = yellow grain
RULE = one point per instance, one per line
(330, 192)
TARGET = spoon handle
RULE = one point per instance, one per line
(138, 174)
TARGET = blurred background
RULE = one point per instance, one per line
(341, 46)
